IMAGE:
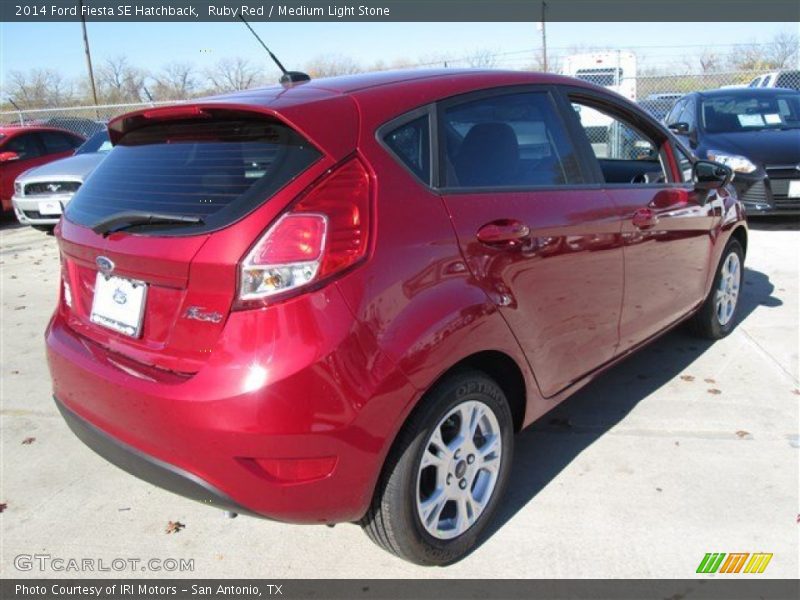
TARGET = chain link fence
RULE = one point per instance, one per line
(655, 93)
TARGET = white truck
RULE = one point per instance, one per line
(612, 69)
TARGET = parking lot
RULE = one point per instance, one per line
(684, 449)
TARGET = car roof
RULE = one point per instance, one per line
(355, 85)
(745, 91)
(10, 130)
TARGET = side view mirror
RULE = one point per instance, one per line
(681, 127)
(709, 175)
(8, 156)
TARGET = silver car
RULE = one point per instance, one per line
(41, 193)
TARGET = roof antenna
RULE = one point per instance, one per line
(288, 77)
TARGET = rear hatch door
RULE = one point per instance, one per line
(157, 292)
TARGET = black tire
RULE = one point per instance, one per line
(392, 521)
(705, 323)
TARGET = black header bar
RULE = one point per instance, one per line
(716, 12)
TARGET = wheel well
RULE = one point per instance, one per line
(506, 373)
(740, 234)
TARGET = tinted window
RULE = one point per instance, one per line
(509, 140)
(411, 144)
(688, 114)
(99, 142)
(55, 142)
(215, 169)
(673, 115)
(26, 146)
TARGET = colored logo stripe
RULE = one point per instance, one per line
(734, 562)
(710, 562)
(758, 563)
(713, 562)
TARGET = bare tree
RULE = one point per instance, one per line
(553, 62)
(783, 50)
(176, 81)
(40, 88)
(710, 61)
(231, 74)
(330, 66)
(482, 59)
(118, 81)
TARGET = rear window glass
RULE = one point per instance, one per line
(218, 170)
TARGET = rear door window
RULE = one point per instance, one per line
(218, 170)
(509, 140)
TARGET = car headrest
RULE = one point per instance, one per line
(489, 155)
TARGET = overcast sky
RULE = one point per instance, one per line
(59, 45)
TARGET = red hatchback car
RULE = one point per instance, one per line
(339, 300)
(22, 148)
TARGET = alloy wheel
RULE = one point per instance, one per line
(727, 292)
(459, 469)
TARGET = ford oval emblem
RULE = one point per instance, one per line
(120, 297)
(106, 265)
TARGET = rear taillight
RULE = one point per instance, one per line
(66, 291)
(321, 235)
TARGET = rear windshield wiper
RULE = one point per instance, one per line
(123, 220)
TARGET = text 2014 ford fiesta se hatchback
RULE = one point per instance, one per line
(339, 300)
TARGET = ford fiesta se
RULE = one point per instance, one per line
(338, 300)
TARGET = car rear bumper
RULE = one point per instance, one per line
(302, 440)
(145, 467)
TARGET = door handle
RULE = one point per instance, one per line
(644, 218)
(504, 233)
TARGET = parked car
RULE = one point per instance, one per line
(310, 304)
(22, 148)
(778, 79)
(756, 132)
(41, 193)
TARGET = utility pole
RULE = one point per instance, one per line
(544, 37)
(88, 54)
(19, 111)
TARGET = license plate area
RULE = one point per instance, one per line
(794, 188)
(118, 304)
(50, 208)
